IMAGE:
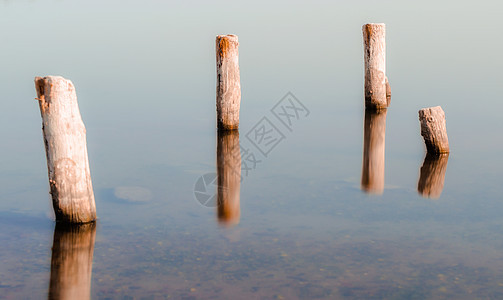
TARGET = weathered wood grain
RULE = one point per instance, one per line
(229, 177)
(374, 137)
(388, 93)
(228, 82)
(432, 175)
(66, 150)
(72, 261)
(433, 129)
(376, 85)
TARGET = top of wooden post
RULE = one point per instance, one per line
(49, 86)
(369, 26)
(227, 35)
(225, 42)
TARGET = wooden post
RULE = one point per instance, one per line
(65, 145)
(374, 151)
(376, 84)
(228, 82)
(432, 175)
(388, 93)
(229, 177)
(433, 129)
(72, 261)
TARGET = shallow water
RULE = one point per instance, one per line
(299, 223)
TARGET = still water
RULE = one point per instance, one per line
(342, 203)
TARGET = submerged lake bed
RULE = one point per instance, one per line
(306, 217)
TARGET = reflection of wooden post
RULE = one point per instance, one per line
(66, 150)
(228, 82)
(376, 84)
(433, 129)
(373, 151)
(431, 179)
(72, 261)
(229, 176)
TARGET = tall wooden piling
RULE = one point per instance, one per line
(432, 175)
(65, 145)
(374, 137)
(376, 84)
(433, 129)
(72, 261)
(229, 177)
(228, 82)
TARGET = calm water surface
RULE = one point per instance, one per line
(345, 205)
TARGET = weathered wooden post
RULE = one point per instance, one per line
(229, 177)
(374, 151)
(65, 145)
(433, 129)
(432, 175)
(72, 261)
(377, 90)
(228, 82)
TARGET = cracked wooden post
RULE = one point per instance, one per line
(229, 177)
(377, 90)
(433, 129)
(65, 145)
(228, 82)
